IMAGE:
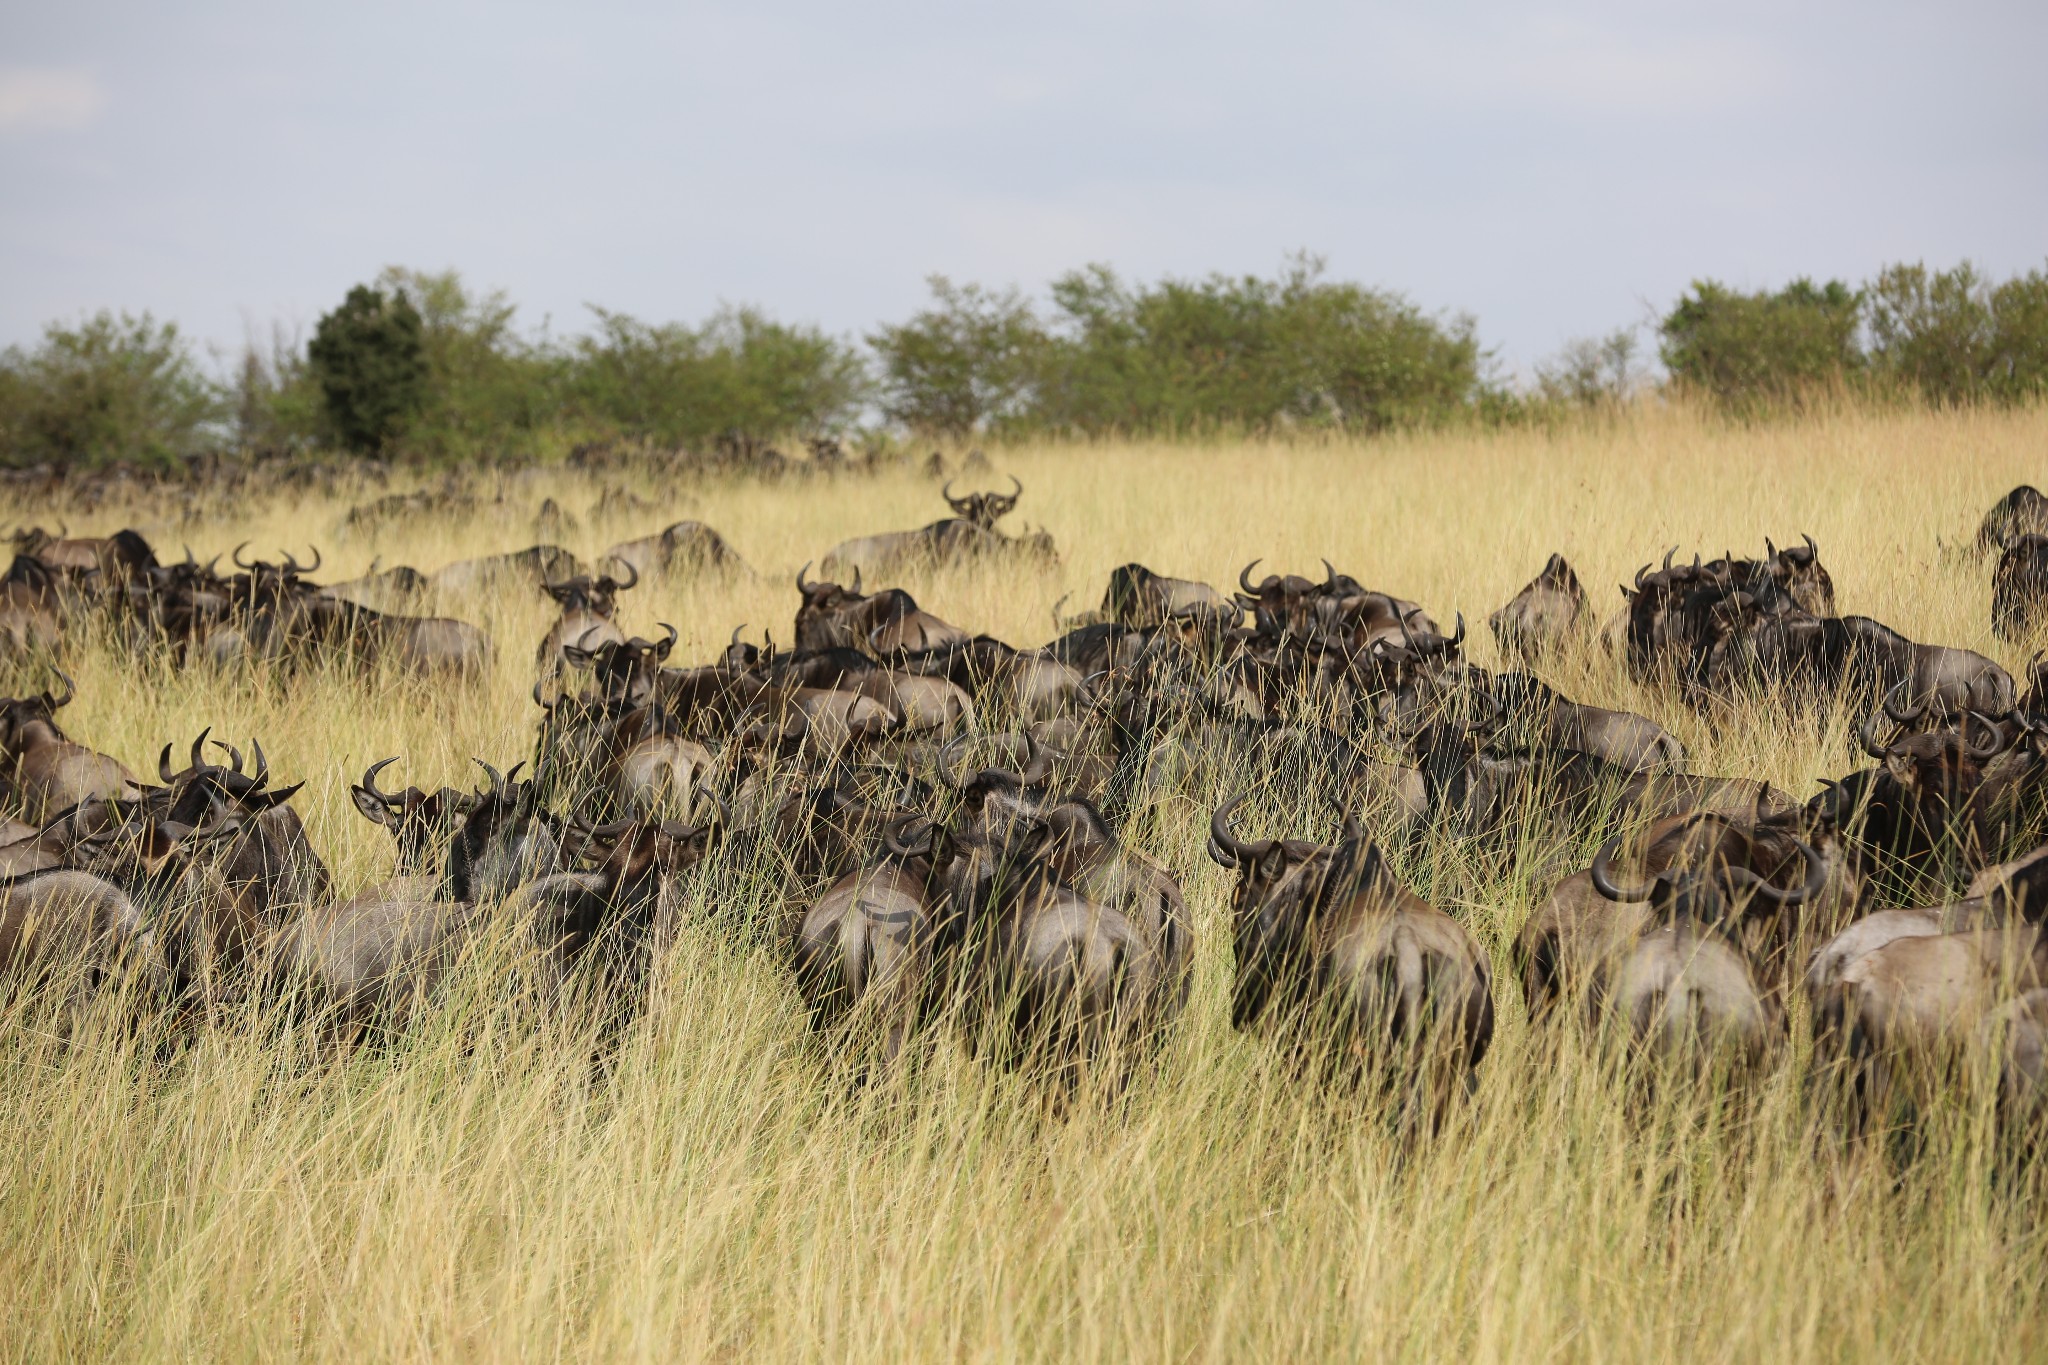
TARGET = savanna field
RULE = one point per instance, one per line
(479, 1187)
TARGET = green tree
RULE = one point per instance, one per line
(1932, 331)
(111, 388)
(970, 360)
(2018, 363)
(1749, 352)
(371, 364)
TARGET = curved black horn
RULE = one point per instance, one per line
(314, 567)
(1811, 548)
(856, 580)
(1225, 847)
(1669, 555)
(369, 782)
(1603, 876)
(627, 565)
(234, 755)
(802, 586)
(1816, 878)
(1866, 735)
(1906, 717)
(163, 766)
(1640, 575)
(262, 773)
(235, 556)
(198, 755)
(1458, 635)
(70, 691)
(1329, 575)
(497, 778)
(1992, 728)
(673, 635)
(1244, 578)
(1016, 488)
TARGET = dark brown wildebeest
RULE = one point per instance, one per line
(2022, 512)
(1337, 608)
(2019, 589)
(1797, 569)
(889, 622)
(1340, 959)
(1027, 685)
(1137, 597)
(685, 545)
(588, 606)
(421, 824)
(967, 536)
(284, 616)
(120, 558)
(47, 770)
(1546, 718)
(1545, 615)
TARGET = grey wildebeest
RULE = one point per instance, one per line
(685, 545)
(968, 535)
(588, 606)
(2019, 589)
(537, 564)
(1338, 958)
(49, 772)
(1546, 614)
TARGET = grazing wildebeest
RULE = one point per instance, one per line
(1545, 615)
(1340, 959)
(685, 545)
(967, 536)
(2022, 512)
(537, 564)
(2019, 589)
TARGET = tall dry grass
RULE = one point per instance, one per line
(480, 1190)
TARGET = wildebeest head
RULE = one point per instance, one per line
(818, 618)
(1547, 608)
(1798, 570)
(205, 793)
(2024, 511)
(419, 822)
(1280, 603)
(33, 719)
(506, 838)
(626, 670)
(983, 509)
(598, 596)
(1707, 883)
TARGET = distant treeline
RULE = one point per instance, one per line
(418, 365)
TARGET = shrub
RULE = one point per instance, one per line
(1591, 373)
(969, 361)
(1749, 352)
(109, 389)
(370, 361)
(739, 375)
(1953, 338)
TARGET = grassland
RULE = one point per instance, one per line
(479, 1191)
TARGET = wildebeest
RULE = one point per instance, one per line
(888, 622)
(683, 545)
(1137, 597)
(1547, 613)
(2022, 512)
(536, 564)
(2019, 589)
(1340, 959)
(969, 535)
(588, 605)
(48, 772)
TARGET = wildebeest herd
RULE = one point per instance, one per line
(945, 825)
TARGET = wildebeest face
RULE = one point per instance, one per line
(983, 509)
(1798, 570)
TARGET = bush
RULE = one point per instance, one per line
(1750, 352)
(370, 361)
(741, 375)
(1597, 374)
(110, 389)
(1953, 338)
(970, 361)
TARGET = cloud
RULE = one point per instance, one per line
(49, 98)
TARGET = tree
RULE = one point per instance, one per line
(371, 363)
(970, 360)
(1748, 352)
(110, 389)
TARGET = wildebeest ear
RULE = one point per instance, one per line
(1271, 865)
(374, 810)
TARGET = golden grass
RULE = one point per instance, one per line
(479, 1191)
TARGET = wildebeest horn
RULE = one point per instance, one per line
(1640, 575)
(1866, 735)
(1811, 548)
(1329, 574)
(291, 561)
(199, 763)
(1668, 556)
(734, 642)
(1997, 743)
(1603, 876)
(673, 635)
(1906, 717)
(802, 586)
(1244, 578)
(538, 684)
(262, 773)
(1816, 877)
(163, 765)
(70, 691)
(369, 782)
(856, 580)
(627, 565)
(497, 778)
(1226, 848)
(209, 567)
(1770, 550)
(234, 755)
(1458, 635)
(235, 555)
(892, 837)
(1016, 488)
(314, 567)
(946, 490)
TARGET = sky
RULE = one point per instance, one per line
(1555, 171)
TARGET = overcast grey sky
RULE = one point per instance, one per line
(1553, 170)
